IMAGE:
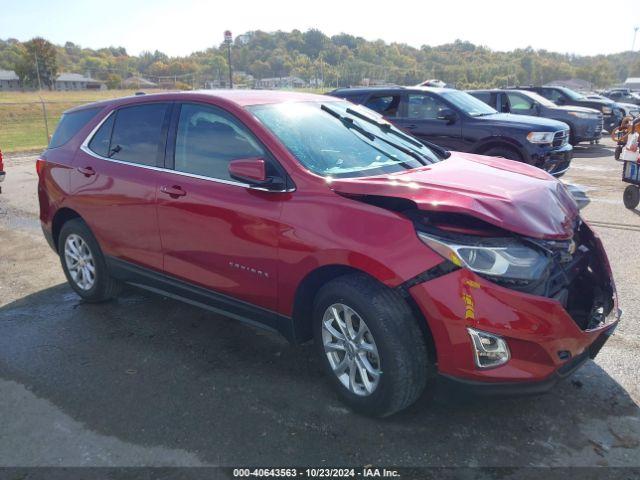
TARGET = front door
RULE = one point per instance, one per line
(113, 185)
(419, 116)
(520, 104)
(216, 232)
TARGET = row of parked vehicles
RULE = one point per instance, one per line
(402, 257)
(535, 125)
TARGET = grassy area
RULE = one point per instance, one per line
(22, 125)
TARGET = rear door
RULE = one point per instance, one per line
(216, 232)
(113, 184)
(419, 116)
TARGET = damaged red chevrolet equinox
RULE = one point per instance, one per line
(317, 219)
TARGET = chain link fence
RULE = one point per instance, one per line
(27, 125)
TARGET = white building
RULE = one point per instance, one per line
(77, 81)
(9, 80)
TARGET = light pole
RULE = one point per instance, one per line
(228, 38)
(635, 32)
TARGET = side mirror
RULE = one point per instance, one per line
(249, 170)
(447, 115)
(254, 172)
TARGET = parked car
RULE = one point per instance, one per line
(2, 172)
(315, 218)
(627, 108)
(457, 121)
(624, 95)
(585, 123)
(562, 96)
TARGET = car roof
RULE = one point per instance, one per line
(389, 88)
(241, 98)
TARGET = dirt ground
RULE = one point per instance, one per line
(145, 380)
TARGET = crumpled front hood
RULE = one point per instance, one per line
(510, 195)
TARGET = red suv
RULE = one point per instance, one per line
(316, 218)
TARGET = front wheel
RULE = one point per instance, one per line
(370, 345)
(83, 263)
(504, 152)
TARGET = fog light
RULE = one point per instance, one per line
(488, 350)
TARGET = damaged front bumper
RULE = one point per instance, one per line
(550, 331)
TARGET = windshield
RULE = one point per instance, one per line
(572, 94)
(468, 103)
(538, 98)
(342, 147)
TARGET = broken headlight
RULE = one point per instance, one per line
(494, 257)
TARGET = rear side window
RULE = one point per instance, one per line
(70, 124)
(137, 134)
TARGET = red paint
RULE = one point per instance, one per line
(249, 169)
(259, 246)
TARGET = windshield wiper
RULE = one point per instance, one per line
(386, 127)
(349, 123)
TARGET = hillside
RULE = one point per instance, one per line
(340, 60)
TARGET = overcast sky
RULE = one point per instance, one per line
(179, 27)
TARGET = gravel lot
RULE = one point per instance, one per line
(145, 380)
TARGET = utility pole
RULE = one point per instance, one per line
(38, 71)
(635, 32)
(228, 38)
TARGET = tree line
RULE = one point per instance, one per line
(339, 60)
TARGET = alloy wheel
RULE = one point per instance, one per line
(351, 349)
(80, 262)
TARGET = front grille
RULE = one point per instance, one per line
(580, 280)
(600, 123)
(561, 138)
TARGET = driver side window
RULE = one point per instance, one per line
(208, 139)
(423, 107)
(552, 95)
(519, 102)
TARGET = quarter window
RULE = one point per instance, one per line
(100, 141)
(208, 139)
(137, 134)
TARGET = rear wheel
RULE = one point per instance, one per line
(631, 196)
(504, 152)
(370, 345)
(83, 263)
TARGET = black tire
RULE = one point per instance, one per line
(104, 287)
(617, 152)
(504, 152)
(402, 349)
(631, 196)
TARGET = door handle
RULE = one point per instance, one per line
(174, 191)
(87, 171)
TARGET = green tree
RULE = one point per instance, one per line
(38, 60)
